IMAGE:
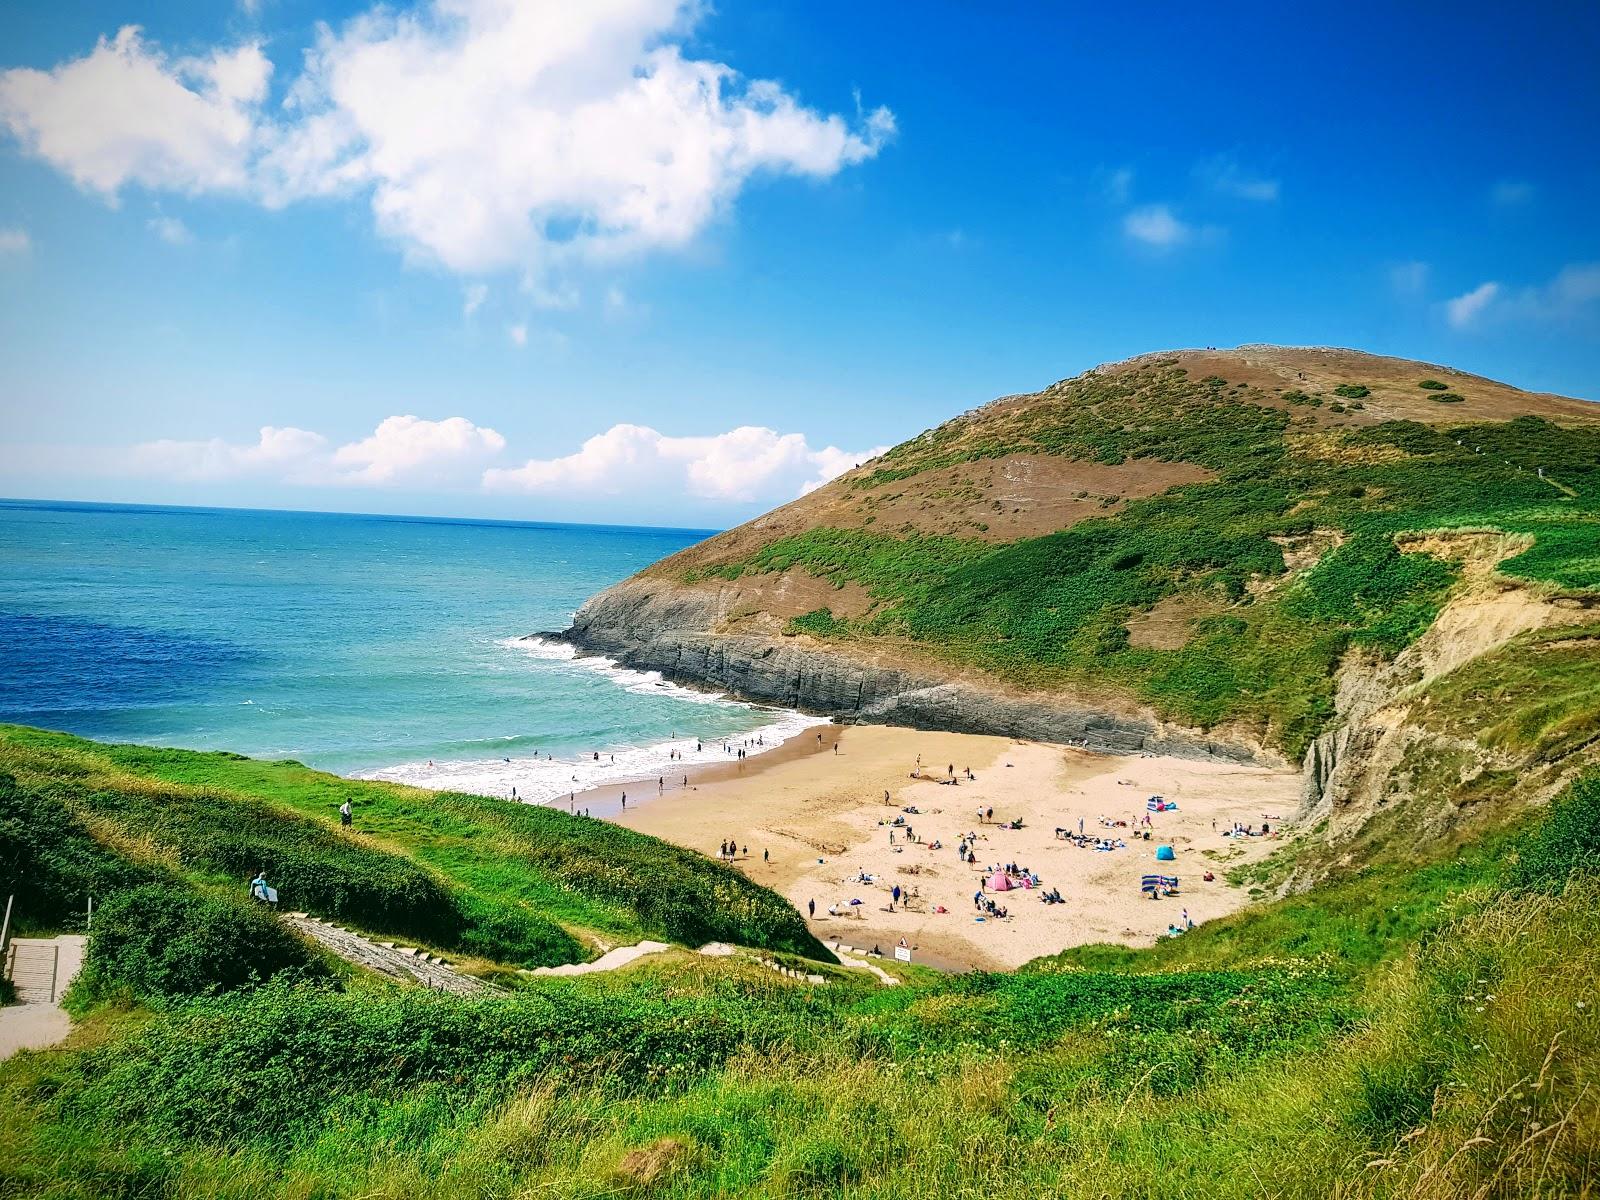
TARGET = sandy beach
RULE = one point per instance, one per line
(815, 820)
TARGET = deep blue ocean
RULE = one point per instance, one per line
(357, 644)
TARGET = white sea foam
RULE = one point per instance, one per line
(543, 780)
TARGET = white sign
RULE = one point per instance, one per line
(902, 953)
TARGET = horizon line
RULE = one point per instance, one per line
(44, 502)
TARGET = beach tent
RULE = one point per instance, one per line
(1000, 882)
(1165, 854)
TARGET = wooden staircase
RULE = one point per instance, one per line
(42, 968)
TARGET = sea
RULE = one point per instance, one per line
(377, 647)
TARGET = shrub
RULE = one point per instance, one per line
(49, 861)
(161, 941)
(1353, 391)
(1566, 842)
(1433, 385)
(1446, 398)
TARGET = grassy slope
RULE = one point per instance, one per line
(1052, 611)
(1340, 1048)
(509, 883)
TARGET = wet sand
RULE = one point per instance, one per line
(814, 819)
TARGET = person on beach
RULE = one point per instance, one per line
(344, 812)
(811, 909)
(766, 857)
(723, 851)
(624, 801)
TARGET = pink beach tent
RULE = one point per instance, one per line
(1000, 882)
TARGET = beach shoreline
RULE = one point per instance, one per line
(810, 820)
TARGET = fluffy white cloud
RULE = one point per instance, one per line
(488, 134)
(518, 335)
(750, 463)
(126, 113)
(416, 450)
(1466, 308)
(403, 449)
(472, 298)
(1225, 176)
(15, 241)
(1156, 225)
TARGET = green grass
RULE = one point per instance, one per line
(506, 882)
(1053, 611)
(1443, 1051)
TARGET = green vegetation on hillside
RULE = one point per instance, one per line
(510, 883)
(1421, 1027)
(1261, 644)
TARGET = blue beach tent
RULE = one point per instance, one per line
(1165, 854)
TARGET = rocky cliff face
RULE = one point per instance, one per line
(1364, 762)
(653, 624)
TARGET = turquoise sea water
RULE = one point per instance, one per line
(356, 644)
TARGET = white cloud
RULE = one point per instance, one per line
(487, 134)
(1573, 294)
(1225, 176)
(1409, 278)
(126, 113)
(414, 450)
(170, 230)
(472, 298)
(15, 241)
(518, 335)
(751, 463)
(403, 449)
(1509, 193)
(1466, 308)
(1575, 286)
(1156, 225)
(282, 452)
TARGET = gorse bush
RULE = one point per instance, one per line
(160, 942)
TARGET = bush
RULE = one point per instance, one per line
(1353, 391)
(1565, 843)
(1432, 385)
(1447, 398)
(160, 942)
(51, 864)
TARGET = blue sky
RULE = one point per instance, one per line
(514, 309)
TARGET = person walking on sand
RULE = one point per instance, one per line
(624, 801)
(811, 909)
(766, 856)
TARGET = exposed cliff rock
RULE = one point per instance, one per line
(1358, 766)
(1201, 544)
(655, 625)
